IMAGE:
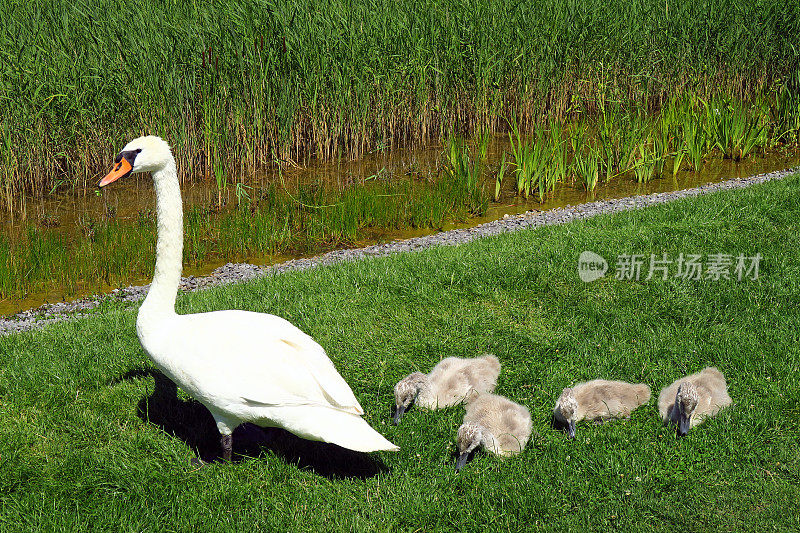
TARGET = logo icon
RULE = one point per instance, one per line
(591, 266)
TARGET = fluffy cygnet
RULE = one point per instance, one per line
(599, 399)
(499, 425)
(449, 383)
(689, 400)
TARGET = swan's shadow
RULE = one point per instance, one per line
(190, 421)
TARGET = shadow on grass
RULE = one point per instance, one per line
(191, 422)
(559, 425)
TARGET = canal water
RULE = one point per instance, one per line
(65, 212)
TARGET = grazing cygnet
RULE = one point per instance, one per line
(689, 400)
(599, 399)
(495, 422)
(449, 383)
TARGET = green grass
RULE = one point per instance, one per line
(233, 85)
(85, 444)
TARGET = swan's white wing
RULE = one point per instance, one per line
(259, 359)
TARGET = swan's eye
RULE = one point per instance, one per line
(128, 155)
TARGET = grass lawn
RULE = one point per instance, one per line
(94, 439)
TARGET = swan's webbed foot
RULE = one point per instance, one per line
(226, 441)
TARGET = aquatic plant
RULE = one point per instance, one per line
(542, 174)
(783, 108)
(501, 172)
(539, 162)
(645, 158)
(732, 128)
(464, 171)
(608, 135)
(221, 179)
(558, 149)
(694, 139)
(522, 152)
(587, 167)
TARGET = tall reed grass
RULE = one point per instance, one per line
(241, 84)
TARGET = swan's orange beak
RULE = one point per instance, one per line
(120, 170)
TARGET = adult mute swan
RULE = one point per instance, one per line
(243, 366)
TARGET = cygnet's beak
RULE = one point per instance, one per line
(121, 169)
(462, 460)
(683, 425)
(398, 414)
(571, 429)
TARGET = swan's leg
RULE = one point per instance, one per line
(225, 428)
(226, 441)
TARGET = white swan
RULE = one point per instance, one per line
(243, 366)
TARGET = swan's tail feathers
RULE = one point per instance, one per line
(348, 430)
(365, 439)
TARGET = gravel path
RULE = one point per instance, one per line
(235, 272)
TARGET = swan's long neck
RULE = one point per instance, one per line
(169, 246)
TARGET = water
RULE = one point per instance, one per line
(65, 213)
